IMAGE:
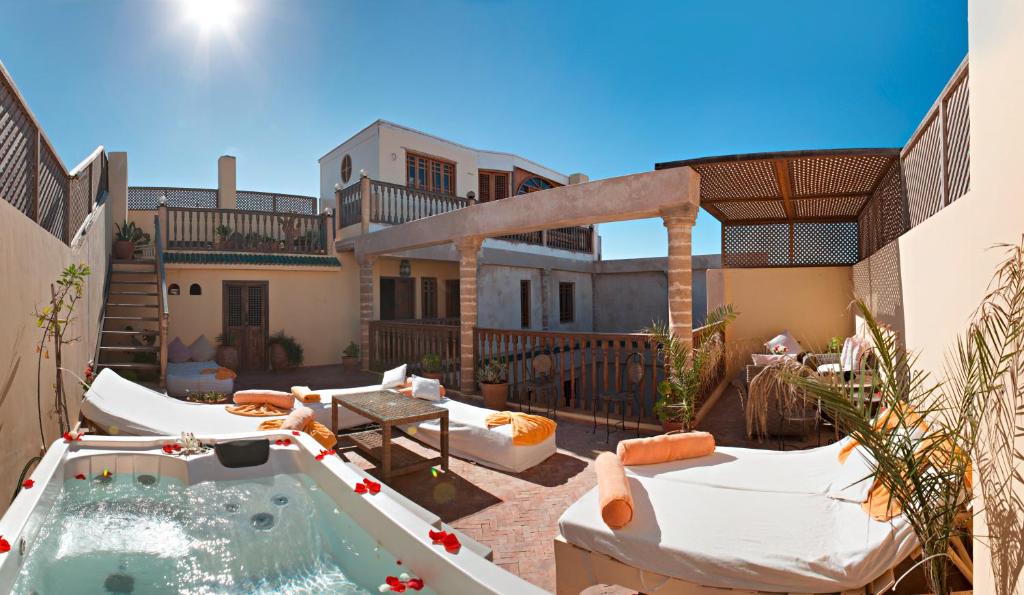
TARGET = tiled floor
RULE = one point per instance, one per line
(515, 515)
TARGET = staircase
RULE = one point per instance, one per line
(130, 331)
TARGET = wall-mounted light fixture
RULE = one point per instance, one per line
(404, 268)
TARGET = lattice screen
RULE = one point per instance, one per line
(765, 245)
(147, 198)
(958, 128)
(17, 152)
(825, 243)
(53, 194)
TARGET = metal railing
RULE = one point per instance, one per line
(33, 178)
(162, 302)
(246, 231)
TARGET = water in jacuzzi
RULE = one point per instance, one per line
(148, 534)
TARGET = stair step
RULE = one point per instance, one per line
(131, 348)
(142, 332)
(131, 366)
(113, 305)
(147, 273)
(116, 282)
(135, 318)
(149, 293)
(134, 261)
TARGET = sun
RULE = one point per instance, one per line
(213, 14)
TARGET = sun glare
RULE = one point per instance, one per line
(213, 14)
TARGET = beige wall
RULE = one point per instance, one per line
(388, 267)
(813, 303)
(30, 259)
(317, 306)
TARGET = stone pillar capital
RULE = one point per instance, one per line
(684, 214)
(469, 244)
(364, 259)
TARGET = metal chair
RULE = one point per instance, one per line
(541, 381)
(634, 373)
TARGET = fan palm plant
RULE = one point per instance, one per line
(689, 370)
(922, 442)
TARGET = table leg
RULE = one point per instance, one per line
(385, 455)
(444, 442)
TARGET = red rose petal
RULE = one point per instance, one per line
(177, 447)
(5, 546)
(399, 588)
(68, 437)
(80, 476)
(287, 441)
(437, 536)
(360, 488)
(168, 449)
(279, 442)
(392, 581)
(319, 457)
(294, 433)
(28, 483)
(451, 543)
(415, 584)
(399, 562)
(373, 486)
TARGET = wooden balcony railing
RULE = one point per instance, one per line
(393, 204)
(586, 364)
(33, 178)
(393, 343)
(349, 201)
(246, 231)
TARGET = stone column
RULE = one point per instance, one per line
(364, 203)
(366, 263)
(227, 191)
(469, 250)
(117, 185)
(679, 223)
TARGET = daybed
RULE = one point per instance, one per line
(120, 406)
(737, 519)
(188, 376)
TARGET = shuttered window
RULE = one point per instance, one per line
(428, 301)
(493, 185)
(451, 298)
(566, 302)
(524, 303)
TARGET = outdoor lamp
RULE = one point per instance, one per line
(404, 268)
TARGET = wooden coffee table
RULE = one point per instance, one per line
(391, 410)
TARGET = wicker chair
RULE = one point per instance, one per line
(541, 382)
(634, 376)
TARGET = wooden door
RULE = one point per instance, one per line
(397, 298)
(246, 310)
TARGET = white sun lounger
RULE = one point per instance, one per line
(745, 519)
(120, 406)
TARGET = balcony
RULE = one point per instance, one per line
(393, 204)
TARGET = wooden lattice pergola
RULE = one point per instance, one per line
(800, 208)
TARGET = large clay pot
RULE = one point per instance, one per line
(434, 375)
(279, 358)
(671, 426)
(350, 364)
(495, 395)
(124, 250)
(227, 356)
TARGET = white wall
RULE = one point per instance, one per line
(584, 305)
(498, 296)
(364, 148)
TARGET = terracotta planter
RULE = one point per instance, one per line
(495, 395)
(350, 364)
(124, 250)
(671, 426)
(279, 358)
(227, 356)
(434, 375)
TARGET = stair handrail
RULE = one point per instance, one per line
(101, 320)
(163, 313)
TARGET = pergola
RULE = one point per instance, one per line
(801, 208)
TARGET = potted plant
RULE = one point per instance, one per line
(688, 370)
(350, 357)
(493, 379)
(285, 352)
(430, 366)
(835, 345)
(207, 398)
(125, 239)
(227, 351)
(222, 232)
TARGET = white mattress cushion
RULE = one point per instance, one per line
(427, 389)
(785, 339)
(743, 539)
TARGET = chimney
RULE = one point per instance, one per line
(578, 178)
(226, 187)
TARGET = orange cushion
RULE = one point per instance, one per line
(665, 448)
(268, 397)
(613, 495)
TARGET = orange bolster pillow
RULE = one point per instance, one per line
(665, 448)
(613, 495)
(260, 397)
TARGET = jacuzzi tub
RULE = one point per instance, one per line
(119, 514)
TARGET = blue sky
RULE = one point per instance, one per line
(604, 88)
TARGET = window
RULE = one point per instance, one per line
(493, 185)
(431, 174)
(428, 297)
(346, 169)
(566, 302)
(195, 289)
(173, 289)
(534, 184)
(451, 298)
(524, 303)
